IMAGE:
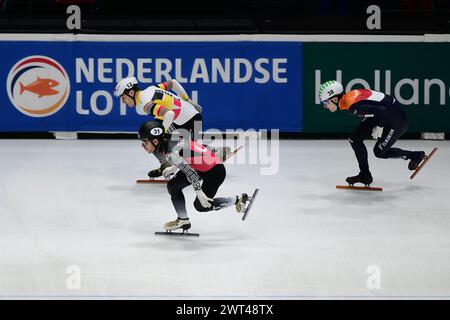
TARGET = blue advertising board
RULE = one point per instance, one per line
(69, 85)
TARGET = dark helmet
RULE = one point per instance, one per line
(151, 130)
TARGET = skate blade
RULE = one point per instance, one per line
(151, 181)
(177, 233)
(251, 199)
(232, 153)
(422, 164)
(365, 188)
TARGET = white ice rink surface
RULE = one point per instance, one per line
(65, 203)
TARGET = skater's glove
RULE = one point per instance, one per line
(204, 200)
(377, 132)
(169, 171)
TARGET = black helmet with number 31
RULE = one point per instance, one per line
(151, 130)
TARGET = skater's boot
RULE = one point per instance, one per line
(184, 224)
(241, 201)
(362, 177)
(415, 159)
(158, 172)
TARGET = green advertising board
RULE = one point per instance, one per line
(416, 74)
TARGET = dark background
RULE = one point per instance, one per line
(413, 17)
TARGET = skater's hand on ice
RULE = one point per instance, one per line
(169, 171)
(204, 200)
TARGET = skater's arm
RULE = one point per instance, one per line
(162, 109)
(168, 117)
(156, 103)
(149, 108)
(164, 114)
(161, 113)
(175, 86)
(155, 110)
(182, 93)
(192, 175)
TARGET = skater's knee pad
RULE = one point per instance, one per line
(198, 206)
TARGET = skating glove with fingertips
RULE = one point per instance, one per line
(204, 200)
(377, 132)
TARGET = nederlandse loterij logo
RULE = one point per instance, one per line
(38, 86)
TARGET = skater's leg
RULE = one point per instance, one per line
(175, 187)
(383, 148)
(356, 140)
(211, 183)
(391, 133)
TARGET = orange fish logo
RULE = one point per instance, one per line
(42, 77)
(41, 87)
